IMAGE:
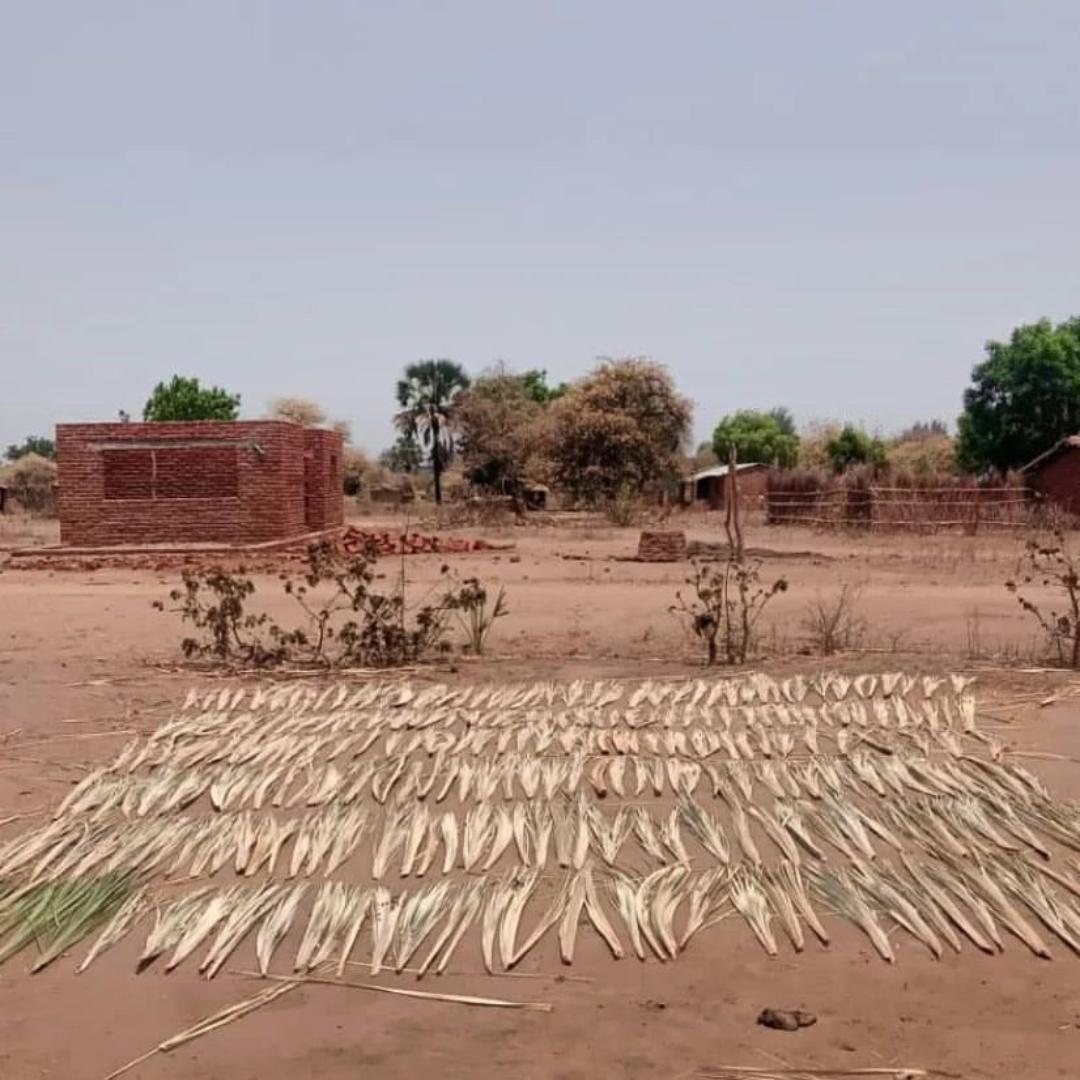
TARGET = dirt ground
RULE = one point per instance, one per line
(85, 661)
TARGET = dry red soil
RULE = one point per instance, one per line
(79, 672)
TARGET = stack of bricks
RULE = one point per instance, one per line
(667, 546)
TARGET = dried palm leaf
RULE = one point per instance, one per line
(419, 916)
(277, 924)
(127, 915)
(752, 903)
(240, 921)
(385, 910)
(571, 915)
(837, 888)
(598, 917)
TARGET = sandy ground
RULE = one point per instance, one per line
(78, 673)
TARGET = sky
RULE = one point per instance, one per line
(825, 205)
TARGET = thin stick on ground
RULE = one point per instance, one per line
(458, 999)
(726, 1072)
(554, 976)
(208, 1024)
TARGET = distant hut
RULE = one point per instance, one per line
(709, 485)
(1055, 475)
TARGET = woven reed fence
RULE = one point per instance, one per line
(845, 502)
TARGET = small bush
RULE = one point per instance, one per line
(214, 602)
(475, 616)
(833, 624)
(1052, 565)
(728, 599)
(31, 482)
(346, 621)
(622, 510)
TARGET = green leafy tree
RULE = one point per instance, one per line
(427, 395)
(1024, 397)
(186, 399)
(783, 417)
(536, 385)
(854, 447)
(618, 430)
(405, 456)
(757, 437)
(32, 444)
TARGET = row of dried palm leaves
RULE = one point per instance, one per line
(247, 739)
(942, 903)
(748, 689)
(301, 783)
(970, 808)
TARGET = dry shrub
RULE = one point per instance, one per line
(726, 602)
(478, 512)
(346, 618)
(927, 458)
(624, 509)
(298, 410)
(833, 624)
(813, 446)
(31, 482)
(361, 473)
(1050, 564)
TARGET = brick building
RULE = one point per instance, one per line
(709, 485)
(1055, 475)
(220, 482)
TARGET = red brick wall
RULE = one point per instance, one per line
(209, 481)
(1058, 480)
(324, 479)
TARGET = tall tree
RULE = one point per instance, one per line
(186, 399)
(782, 415)
(852, 446)
(499, 419)
(758, 437)
(618, 430)
(427, 394)
(307, 413)
(298, 410)
(32, 444)
(1024, 397)
(535, 380)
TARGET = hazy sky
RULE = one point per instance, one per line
(828, 205)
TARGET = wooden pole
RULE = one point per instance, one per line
(732, 522)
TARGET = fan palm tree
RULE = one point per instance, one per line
(426, 394)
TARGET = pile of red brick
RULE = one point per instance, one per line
(661, 546)
(356, 540)
(353, 541)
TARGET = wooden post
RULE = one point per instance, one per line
(732, 522)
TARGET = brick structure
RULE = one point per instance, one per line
(709, 486)
(662, 546)
(219, 482)
(1055, 475)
